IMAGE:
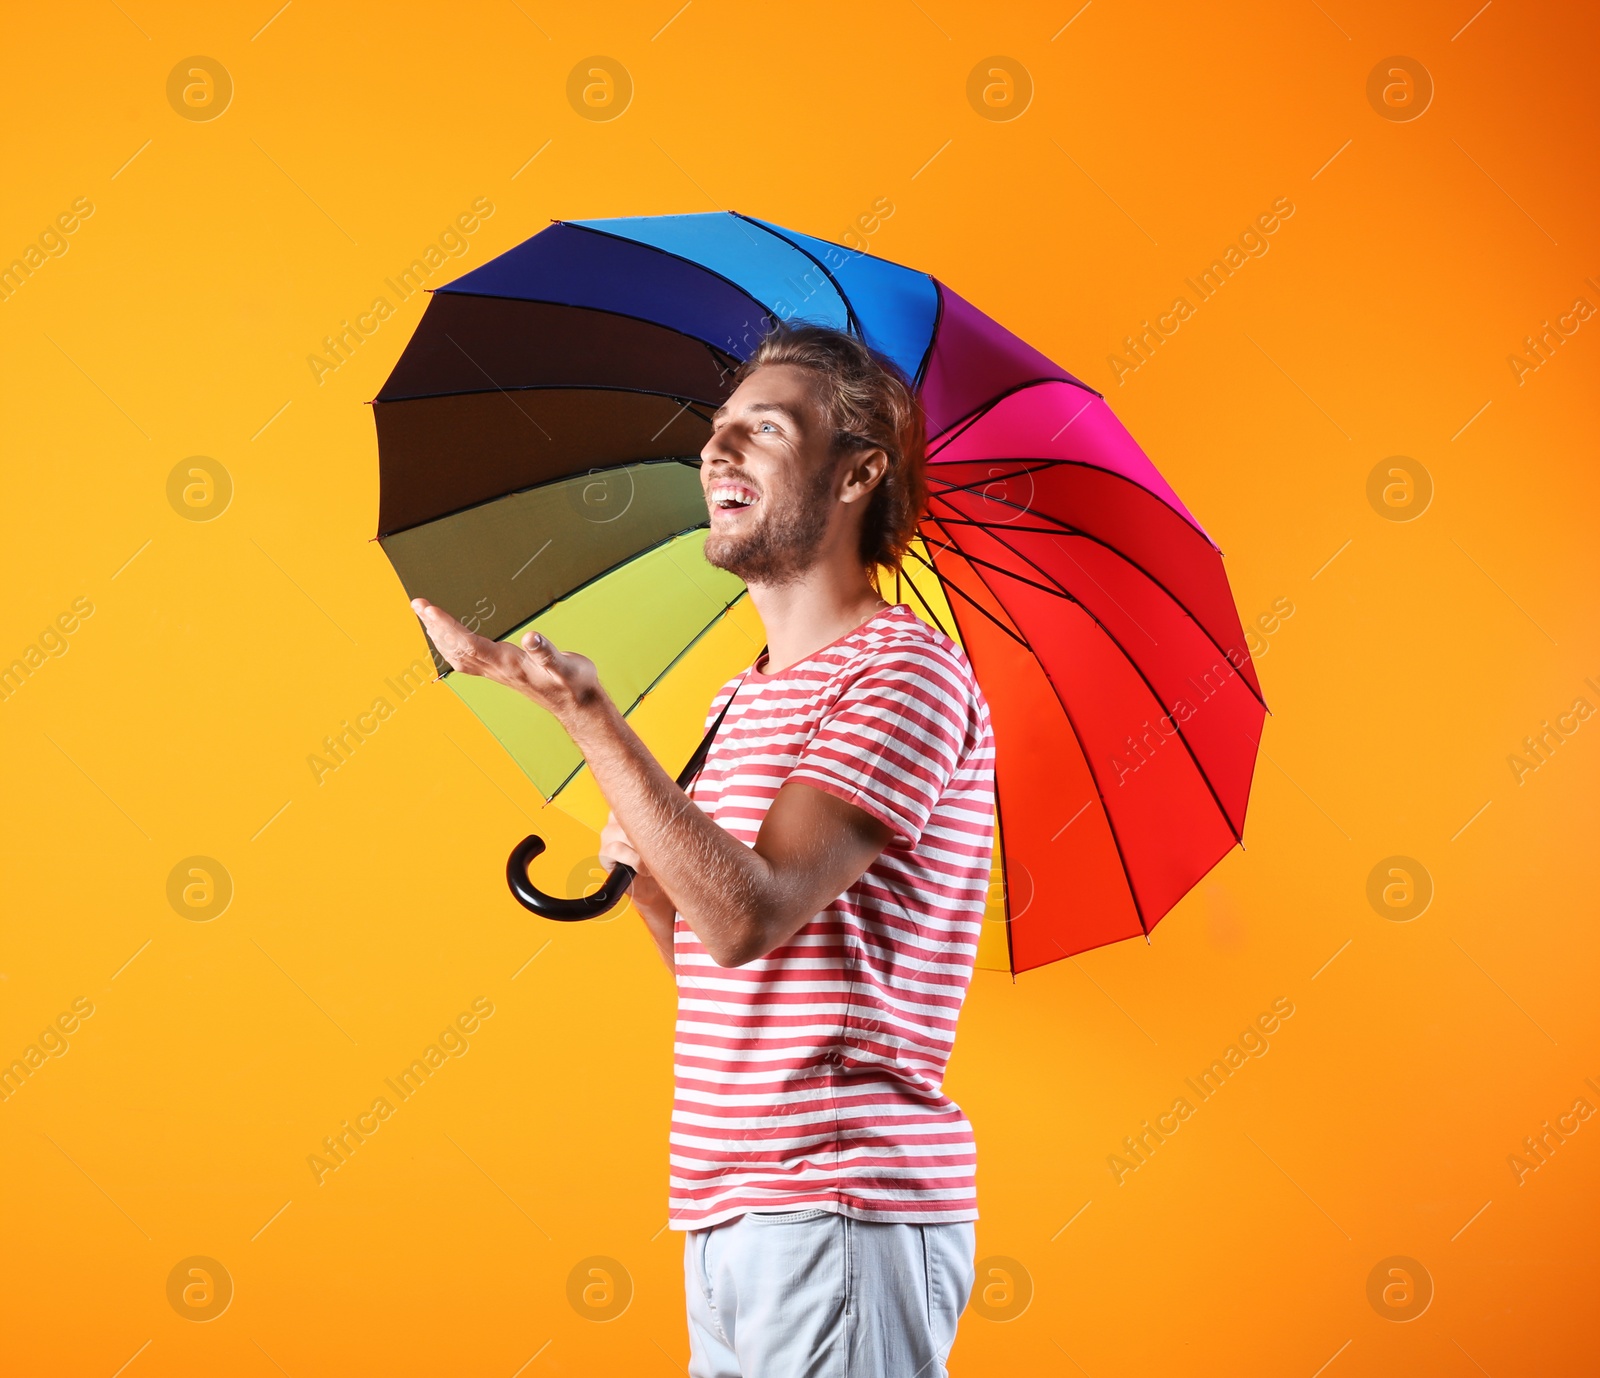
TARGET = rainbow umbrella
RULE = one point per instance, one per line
(539, 445)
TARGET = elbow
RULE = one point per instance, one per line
(745, 938)
(735, 951)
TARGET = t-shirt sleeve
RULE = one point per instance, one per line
(892, 740)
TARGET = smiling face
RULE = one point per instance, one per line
(772, 483)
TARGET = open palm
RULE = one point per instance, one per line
(557, 680)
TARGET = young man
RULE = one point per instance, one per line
(817, 895)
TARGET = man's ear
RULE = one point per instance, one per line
(864, 472)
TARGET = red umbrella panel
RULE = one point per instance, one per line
(1097, 615)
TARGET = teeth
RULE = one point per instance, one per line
(729, 496)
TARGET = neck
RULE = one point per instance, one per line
(826, 602)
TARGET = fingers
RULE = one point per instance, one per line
(432, 614)
(447, 634)
(532, 665)
(620, 854)
(615, 847)
(565, 674)
(541, 649)
(465, 650)
(614, 843)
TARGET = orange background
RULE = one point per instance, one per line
(369, 910)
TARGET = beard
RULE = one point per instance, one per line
(783, 542)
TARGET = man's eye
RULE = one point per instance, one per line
(769, 426)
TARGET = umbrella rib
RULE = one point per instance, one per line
(628, 559)
(724, 372)
(744, 292)
(1177, 602)
(851, 319)
(1112, 638)
(545, 483)
(954, 487)
(1055, 591)
(1103, 589)
(1138, 670)
(1067, 530)
(933, 335)
(1005, 889)
(1041, 461)
(962, 423)
(454, 291)
(1058, 530)
(1077, 736)
(911, 584)
(949, 586)
(502, 391)
(508, 389)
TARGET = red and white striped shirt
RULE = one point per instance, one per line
(813, 1076)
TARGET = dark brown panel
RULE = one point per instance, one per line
(470, 344)
(441, 454)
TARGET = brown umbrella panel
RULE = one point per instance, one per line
(528, 447)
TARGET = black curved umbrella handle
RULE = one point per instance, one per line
(608, 896)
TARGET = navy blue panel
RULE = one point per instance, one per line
(577, 267)
(765, 264)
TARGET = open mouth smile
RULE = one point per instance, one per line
(728, 496)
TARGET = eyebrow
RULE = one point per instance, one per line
(778, 407)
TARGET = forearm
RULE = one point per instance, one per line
(725, 890)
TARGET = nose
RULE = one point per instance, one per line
(721, 446)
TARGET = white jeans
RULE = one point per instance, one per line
(813, 1294)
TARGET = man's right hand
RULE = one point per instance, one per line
(655, 906)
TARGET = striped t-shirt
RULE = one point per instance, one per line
(813, 1076)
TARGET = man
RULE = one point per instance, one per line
(818, 894)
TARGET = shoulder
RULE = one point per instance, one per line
(909, 643)
(908, 659)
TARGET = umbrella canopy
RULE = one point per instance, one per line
(539, 446)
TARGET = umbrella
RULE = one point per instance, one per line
(539, 445)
